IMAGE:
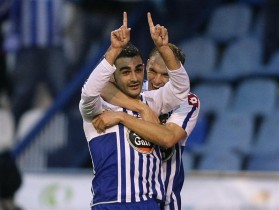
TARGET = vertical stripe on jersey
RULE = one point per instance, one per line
(137, 181)
(158, 182)
(161, 182)
(128, 171)
(152, 175)
(123, 164)
(184, 125)
(170, 170)
(141, 182)
(177, 182)
(147, 175)
(174, 168)
(118, 143)
(133, 168)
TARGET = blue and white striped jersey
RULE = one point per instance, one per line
(185, 116)
(38, 22)
(126, 168)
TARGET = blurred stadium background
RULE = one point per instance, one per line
(231, 158)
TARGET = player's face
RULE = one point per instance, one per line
(129, 75)
(157, 74)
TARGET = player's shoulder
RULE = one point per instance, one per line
(193, 101)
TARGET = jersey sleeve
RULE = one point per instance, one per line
(186, 115)
(172, 94)
(90, 104)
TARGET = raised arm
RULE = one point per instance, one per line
(91, 103)
(159, 35)
(119, 38)
(176, 90)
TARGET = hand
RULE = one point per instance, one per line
(121, 36)
(106, 120)
(148, 115)
(159, 34)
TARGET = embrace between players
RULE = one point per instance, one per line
(136, 158)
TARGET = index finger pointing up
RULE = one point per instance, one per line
(150, 21)
(125, 19)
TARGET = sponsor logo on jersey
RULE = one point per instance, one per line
(193, 100)
(139, 144)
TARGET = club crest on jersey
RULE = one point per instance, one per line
(139, 144)
(193, 99)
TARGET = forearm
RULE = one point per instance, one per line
(90, 107)
(90, 103)
(112, 54)
(179, 83)
(113, 95)
(155, 133)
(169, 58)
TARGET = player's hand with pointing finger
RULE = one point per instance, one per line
(159, 34)
(160, 37)
(120, 37)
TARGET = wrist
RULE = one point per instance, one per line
(141, 107)
(112, 54)
(122, 117)
(163, 48)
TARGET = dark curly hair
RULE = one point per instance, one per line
(130, 51)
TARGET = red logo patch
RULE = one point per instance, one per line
(193, 99)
